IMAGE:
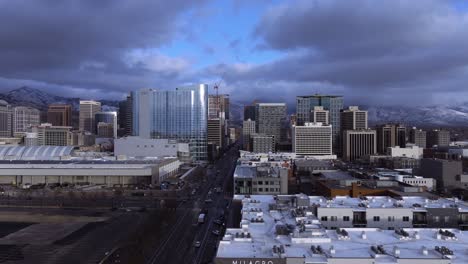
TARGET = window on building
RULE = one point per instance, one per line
(447, 219)
(260, 182)
(391, 219)
(376, 218)
(324, 218)
(405, 218)
(266, 189)
(334, 218)
(436, 219)
(260, 189)
(346, 218)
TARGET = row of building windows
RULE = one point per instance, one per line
(266, 183)
(146, 146)
(265, 190)
(376, 218)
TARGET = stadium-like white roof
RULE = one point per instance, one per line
(34, 152)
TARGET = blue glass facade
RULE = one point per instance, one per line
(181, 114)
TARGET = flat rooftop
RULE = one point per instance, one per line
(257, 170)
(282, 227)
(415, 202)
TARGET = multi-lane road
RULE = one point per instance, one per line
(188, 241)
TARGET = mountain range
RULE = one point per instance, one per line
(26, 96)
(421, 116)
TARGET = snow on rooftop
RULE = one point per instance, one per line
(283, 226)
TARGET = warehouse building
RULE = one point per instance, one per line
(100, 172)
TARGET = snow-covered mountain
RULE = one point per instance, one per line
(456, 115)
(26, 96)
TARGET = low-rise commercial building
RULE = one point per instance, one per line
(260, 179)
(413, 152)
(285, 229)
(428, 183)
(448, 173)
(145, 147)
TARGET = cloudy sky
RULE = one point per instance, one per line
(372, 52)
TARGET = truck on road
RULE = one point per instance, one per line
(201, 218)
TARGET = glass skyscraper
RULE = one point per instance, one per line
(332, 103)
(181, 114)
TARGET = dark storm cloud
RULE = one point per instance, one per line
(386, 50)
(84, 43)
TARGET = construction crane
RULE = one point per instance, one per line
(216, 87)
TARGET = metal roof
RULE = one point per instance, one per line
(34, 152)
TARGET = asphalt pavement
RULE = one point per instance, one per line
(178, 246)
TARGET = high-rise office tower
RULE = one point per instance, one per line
(88, 110)
(215, 132)
(125, 117)
(48, 135)
(358, 143)
(6, 119)
(401, 138)
(180, 114)
(332, 103)
(249, 111)
(59, 115)
(270, 118)
(312, 139)
(109, 118)
(353, 119)
(438, 137)
(105, 130)
(417, 137)
(218, 108)
(248, 128)
(25, 117)
(319, 115)
(390, 135)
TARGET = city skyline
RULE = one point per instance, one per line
(240, 45)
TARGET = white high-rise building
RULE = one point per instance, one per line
(24, 118)
(248, 128)
(312, 139)
(88, 110)
(6, 119)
